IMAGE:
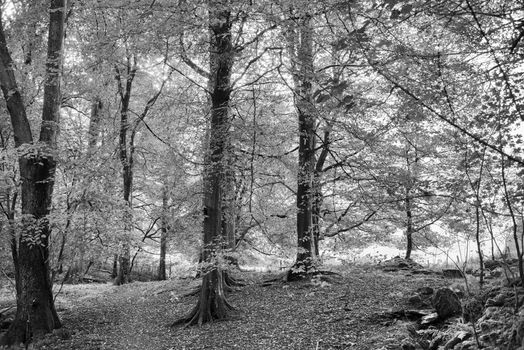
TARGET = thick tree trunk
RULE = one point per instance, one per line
(212, 303)
(124, 263)
(35, 314)
(303, 76)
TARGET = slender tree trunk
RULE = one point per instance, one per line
(163, 235)
(35, 314)
(212, 303)
(114, 268)
(94, 124)
(517, 237)
(318, 197)
(126, 159)
(409, 225)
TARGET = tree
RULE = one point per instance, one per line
(300, 48)
(36, 314)
(164, 230)
(212, 303)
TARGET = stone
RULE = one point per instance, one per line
(408, 345)
(415, 299)
(459, 337)
(435, 342)
(425, 290)
(446, 303)
(452, 273)
(492, 264)
(429, 319)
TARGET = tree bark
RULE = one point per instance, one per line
(36, 314)
(126, 159)
(163, 235)
(409, 225)
(303, 77)
(94, 125)
(212, 303)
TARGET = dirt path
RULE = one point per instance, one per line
(282, 316)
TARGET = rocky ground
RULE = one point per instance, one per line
(398, 305)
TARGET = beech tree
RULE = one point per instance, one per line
(212, 303)
(35, 313)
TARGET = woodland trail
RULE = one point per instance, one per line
(300, 315)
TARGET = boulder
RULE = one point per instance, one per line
(452, 273)
(446, 303)
(398, 263)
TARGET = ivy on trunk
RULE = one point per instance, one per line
(35, 314)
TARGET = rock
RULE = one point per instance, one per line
(425, 291)
(493, 264)
(446, 303)
(452, 273)
(422, 272)
(429, 319)
(402, 314)
(467, 345)
(435, 342)
(408, 345)
(459, 337)
(398, 263)
(415, 299)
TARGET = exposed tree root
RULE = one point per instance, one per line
(212, 304)
(191, 293)
(220, 311)
(232, 282)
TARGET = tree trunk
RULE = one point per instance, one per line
(163, 235)
(318, 197)
(94, 125)
(409, 227)
(303, 76)
(114, 268)
(212, 303)
(35, 314)
(126, 159)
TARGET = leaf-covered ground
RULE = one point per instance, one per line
(299, 315)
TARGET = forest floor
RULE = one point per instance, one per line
(345, 313)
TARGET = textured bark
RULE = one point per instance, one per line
(318, 197)
(212, 303)
(163, 235)
(126, 149)
(301, 48)
(409, 225)
(35, 314)
(94, 124)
